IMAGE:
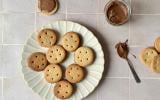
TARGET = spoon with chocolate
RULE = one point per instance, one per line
(123, 51)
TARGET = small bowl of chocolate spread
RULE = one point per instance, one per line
(117, 12)
(48, 7)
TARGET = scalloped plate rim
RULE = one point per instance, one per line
(50, 24)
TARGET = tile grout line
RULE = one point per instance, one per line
(66, 10)
(135, 46)
(6, 44)
(2, 29)
(128, 68)
(35, 15)
(14, 12)
(97, 19)
(129, 89)
(2, 89)
(103, 13)
(156, 14)
(2, 45)
(116, 77)
(1, 3)
(129, 81)
(2, 34)
(143, 78)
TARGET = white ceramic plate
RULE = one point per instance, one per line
(36, 81)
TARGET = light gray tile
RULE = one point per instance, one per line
(141, 69)
(82, 6)
(147, 90)
(114, 89)
(15, 88)
(1, 5)
(145, 6)
(1, 28)
(89, 20)
(11, 58)
(62, 6)
(144, 29)
(18, 27)
(1, 62)
(42, 20)
(93, 95)
(19, 5)
(113, 34)
(1, 89)
(102, 4)
(109, 36)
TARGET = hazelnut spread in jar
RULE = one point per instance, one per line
(48, 7)
(117, 12)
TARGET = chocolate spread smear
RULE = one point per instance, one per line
(122, 49)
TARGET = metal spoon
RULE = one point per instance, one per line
(123, 50)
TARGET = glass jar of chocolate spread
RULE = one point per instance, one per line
(117, 12)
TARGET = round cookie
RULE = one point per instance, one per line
(155, 65)
(70, 41)
(157, 44)
(47, 37)
(56, 54)
(53, 73)
(37, 61)
(147, 55)
(48, 7)
(74, 73)
(63, 89)
(84, 56)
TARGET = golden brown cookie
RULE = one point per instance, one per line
(47, 37)
(48, 7)
(147, 55)
(56, 54)
(53, 73)
(74, 73)
(155, 65)
(70, 41)
(37, 61)
(157, 44)
(84, 56)
(63, 90)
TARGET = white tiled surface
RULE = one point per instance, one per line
(1, 88)
(146, 27)
(89, 20)
(114, 89)
(82, 6)
(0, 5)
(13, 53)
(1, 28)
(18, 18)
(145, 6)
(27, 6)
(42, 20)
(17, 27)
(147, 90)
(109, 35)
(14, 88)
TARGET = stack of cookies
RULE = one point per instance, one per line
(151, 56)
(50, 62)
